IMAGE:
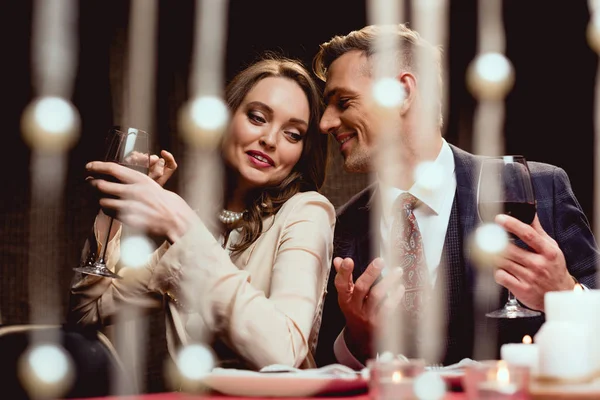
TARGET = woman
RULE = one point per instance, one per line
(255, 288)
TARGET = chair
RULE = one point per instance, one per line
(95, 360)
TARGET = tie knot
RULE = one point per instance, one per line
(406, 201)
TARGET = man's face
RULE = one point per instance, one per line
(347, 116)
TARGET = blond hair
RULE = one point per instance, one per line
(411, 44)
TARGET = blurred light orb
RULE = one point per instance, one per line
(593, 32)
(429, 386)
(136, 250)
(488, 240)
(49, 363)
(195, 361)
(429, 175)
(50, 124)
(203, 120)
(491, 238)
(490, 76)
(388, 92)
(46, 370)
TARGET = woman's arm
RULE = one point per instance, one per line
(95, 300)
(273, 330)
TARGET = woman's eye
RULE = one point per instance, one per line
(295, 136)
(257, 118)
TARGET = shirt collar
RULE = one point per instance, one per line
(440, 171)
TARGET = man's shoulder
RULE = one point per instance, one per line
(357, 204)
(539, 169)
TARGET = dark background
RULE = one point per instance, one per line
(549, 113)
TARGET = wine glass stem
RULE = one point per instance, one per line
(512, 300)
(105, 245)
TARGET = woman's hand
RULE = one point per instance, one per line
(161, 168)
(140, 202)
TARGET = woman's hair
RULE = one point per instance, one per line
(308, 173)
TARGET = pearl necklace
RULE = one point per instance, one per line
(230, 217)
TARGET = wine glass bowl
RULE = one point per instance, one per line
(505, 187)
(130, 148)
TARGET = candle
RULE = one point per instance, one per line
(496, 380)
(577, 306)
(564, 351)
(526, 354)
(499, 386)
(393, 379)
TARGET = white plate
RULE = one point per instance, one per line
(235, 382)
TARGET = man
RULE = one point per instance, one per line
(555, 252)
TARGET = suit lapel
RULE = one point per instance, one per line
(363, 244)
(466, 167)
(457, 276)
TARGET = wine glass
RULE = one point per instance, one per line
(129, 148)
(505, 187)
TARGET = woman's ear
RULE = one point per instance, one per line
(409, 83)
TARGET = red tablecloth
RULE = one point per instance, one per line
(182, 396)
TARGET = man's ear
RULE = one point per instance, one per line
(409, 83)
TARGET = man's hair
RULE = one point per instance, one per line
(412, 49)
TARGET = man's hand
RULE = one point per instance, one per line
(365, 301)
(530, 274)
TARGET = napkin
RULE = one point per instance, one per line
(333, 370)
(453, 367)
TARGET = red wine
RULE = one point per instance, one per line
(110, 178)
(136, 167)
(524, 212)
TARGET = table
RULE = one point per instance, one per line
(214, 396)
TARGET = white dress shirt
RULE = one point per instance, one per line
(435, 191)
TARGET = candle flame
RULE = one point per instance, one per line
(397, 377)
(527, 339)
(502, 375)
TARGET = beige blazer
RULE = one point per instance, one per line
(260, 307)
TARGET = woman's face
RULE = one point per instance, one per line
(267, 133)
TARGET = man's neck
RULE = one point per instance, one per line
(400, 172)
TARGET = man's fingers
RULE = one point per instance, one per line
(381, 291)
(511, 264)
(393, 299)
(363, 284)
(343, 278)
(503, 278)
(524, 232)
(337, 263)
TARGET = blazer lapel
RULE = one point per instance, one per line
(458, 274)
(364, 239)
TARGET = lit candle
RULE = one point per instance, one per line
(526, 354)
(498, 385)
(393, 379)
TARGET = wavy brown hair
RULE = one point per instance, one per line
(308, 173)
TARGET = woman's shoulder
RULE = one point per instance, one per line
(309, 197)
(306, 201)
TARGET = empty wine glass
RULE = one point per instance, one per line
(129, 148)
(505, 187)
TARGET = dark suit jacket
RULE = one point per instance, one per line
(558, 211)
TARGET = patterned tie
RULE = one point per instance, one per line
(408, 247)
